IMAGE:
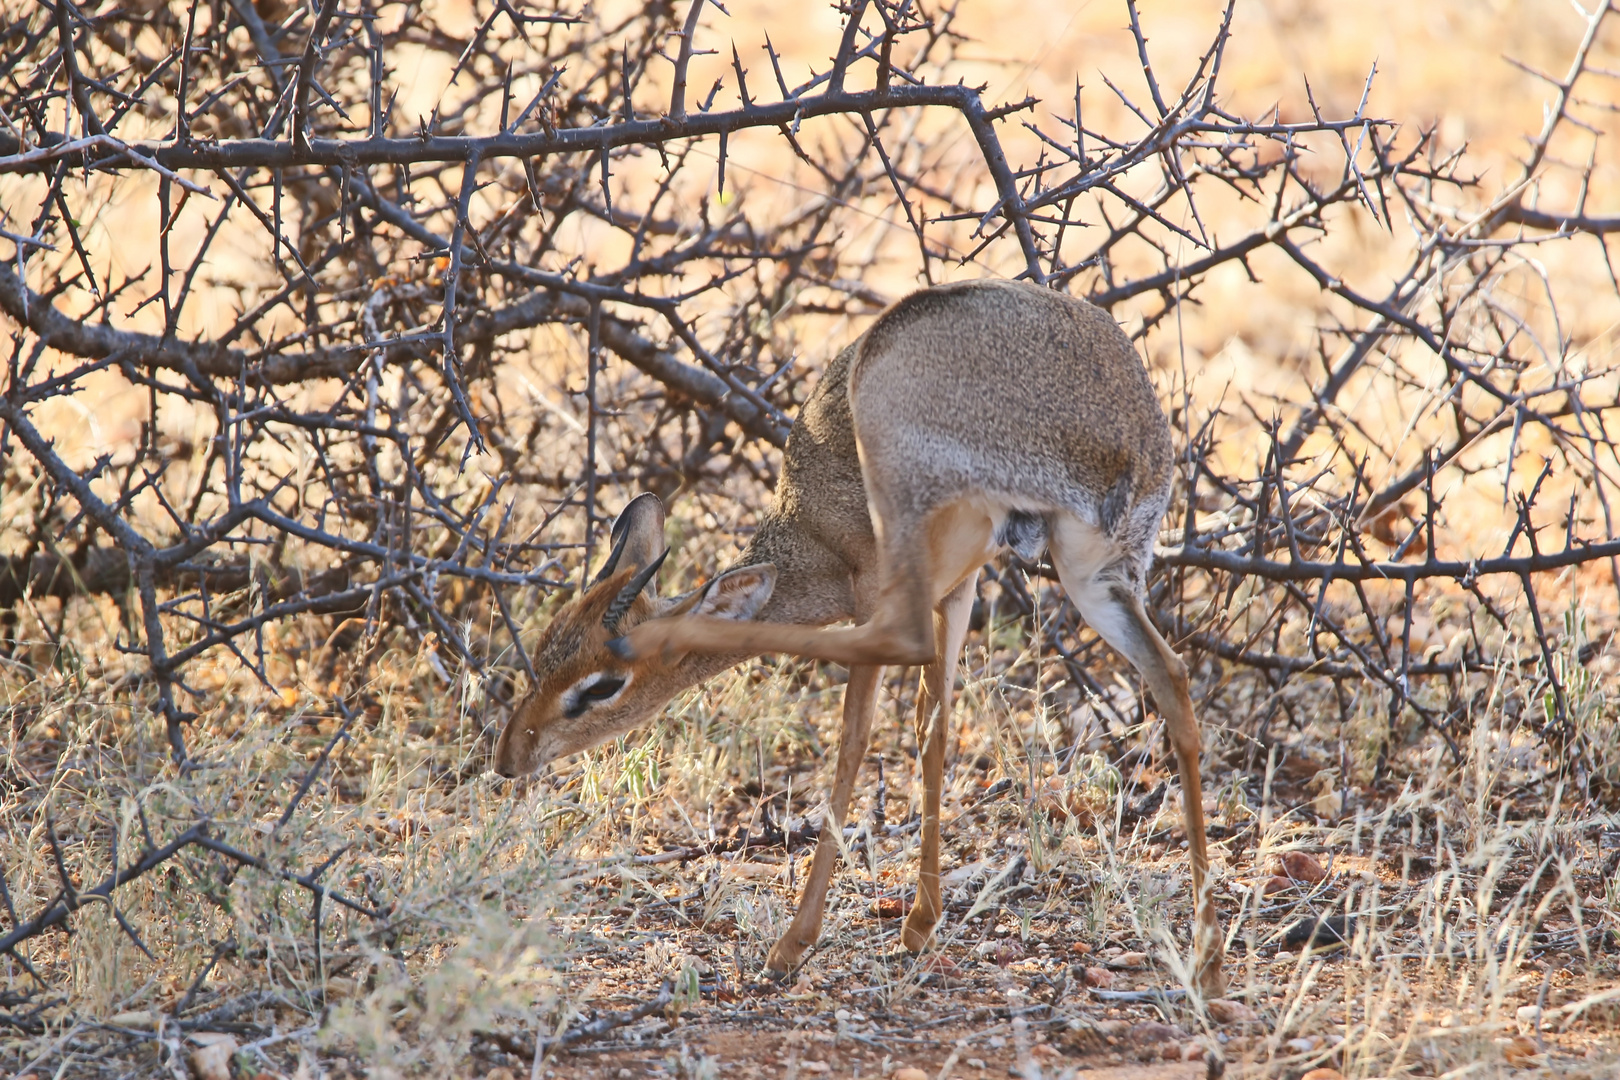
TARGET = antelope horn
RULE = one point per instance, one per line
(627, 595)
(619, 540)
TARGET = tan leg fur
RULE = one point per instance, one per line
(860, 702)
(934, 699)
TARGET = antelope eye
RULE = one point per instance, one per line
(602, 689)
(595, 694)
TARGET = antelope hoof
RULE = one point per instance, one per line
(1209, 953)
(919, 929)
(784, 958)
(1211, 979)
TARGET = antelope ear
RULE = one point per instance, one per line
(638, 539)
(737, 594)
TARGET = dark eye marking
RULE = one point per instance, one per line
(602, 689)
(596, 693)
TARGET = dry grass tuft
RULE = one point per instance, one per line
(1391, 909)
(1478, 905)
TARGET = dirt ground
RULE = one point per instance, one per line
(1025, 981)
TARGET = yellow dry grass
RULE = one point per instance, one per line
(1483, 912)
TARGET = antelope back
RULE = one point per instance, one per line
(585, 694)
(1006, 386)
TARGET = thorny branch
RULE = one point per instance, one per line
(384, 416)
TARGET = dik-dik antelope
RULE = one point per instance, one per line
(969, 418)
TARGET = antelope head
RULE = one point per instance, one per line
(584, 693)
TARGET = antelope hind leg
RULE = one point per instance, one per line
(1114, 610)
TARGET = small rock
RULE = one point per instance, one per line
(1305, 1044)
(1521, 1051)
(1098, 978)
(815, 1067)
(1301, 867)
(212, 1058)
(1323, 1073)
(1528, 1016)
(1327, 933)
(972, 1063)
(1193, 1050)
(1008, 953)
(1282, 955)
(1129, 960)
(1225, 1011)
(911, 1072)
(140, 1018)
(1151, 1033)
(1276, 884)
(889, 907)
(1062, 802)
(1080, 947)
(501, 1073)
